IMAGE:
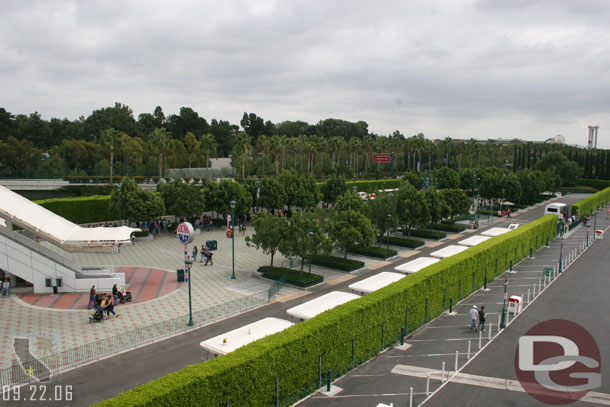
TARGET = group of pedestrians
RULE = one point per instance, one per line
(477, 317)
(205, 253)
(103, 301)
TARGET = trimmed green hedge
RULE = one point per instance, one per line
(372, 251)
(337, 263)
(598, 184)
(247, 376)
(86, 209)
(403, 242)
(448, 227)
(294, 277)
(425, 234)
(591, 203)
(143, 233)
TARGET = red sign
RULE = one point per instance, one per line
(229, 233)
(381, 158)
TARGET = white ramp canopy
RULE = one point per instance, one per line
(229, 341)
(376, 282)
(474, 240)
(25, 213)
(495, 232)
(448, 251)
(415, 265)
(318, 305)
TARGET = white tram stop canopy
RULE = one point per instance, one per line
(474, 240)
(375, 282)
(448, 251)
(318, 305)
(415, 265)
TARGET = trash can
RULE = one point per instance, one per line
(515, 303)
(548, 272)
(180, 273)
(211, 244)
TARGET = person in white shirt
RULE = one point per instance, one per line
(474, 315)
(5, 286)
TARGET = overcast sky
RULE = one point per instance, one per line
(498, 68)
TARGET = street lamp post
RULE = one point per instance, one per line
(120, 186)
(503, 323)
(475, 203)
(310, 250)
(233, 237)
(502, 201)
(389, 219)
(188, 265)
(561, 250)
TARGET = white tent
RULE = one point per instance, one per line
(415, 265)
(448, 251)
(25, 213)
(495, 232)
(474, 240)
(368, 285)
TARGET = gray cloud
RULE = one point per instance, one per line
(460, 68)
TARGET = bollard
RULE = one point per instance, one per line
(328, 380)
(528, 295)
(531, 253)
(468, 353)
(489, 332)
(480, 335)
(485, 281)
(427, 385)
(539, 287)
(443, 373)
(402, 336)
(457, 355)
(499, 318)
(411, 397)
(451, 305)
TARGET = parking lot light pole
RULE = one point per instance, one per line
(503, 323)
(389, 219)
(561, 252)
(310, 251)
(233, 237)
(120, 186)
(188, 266)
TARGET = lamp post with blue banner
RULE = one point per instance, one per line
(186, 234)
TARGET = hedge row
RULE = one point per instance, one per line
(591, 203)
(371, 251)
(337, 263)
(294, 277)
(598, 184)
(402, 242)
(425, 234)
(448, 227)
(372, 185)
(247, 376)
(87, 209)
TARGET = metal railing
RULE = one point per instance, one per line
(30, 370)
(276, 287)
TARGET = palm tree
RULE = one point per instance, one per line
(262, 143)
(111, 138)
(243, 140)
(275, 145)
(209, 145)
(369, 143)
(354, 147)
(160, 138)
(335, 145)
(472, 146)
(306, 149)
(446, 146)
(191, 143)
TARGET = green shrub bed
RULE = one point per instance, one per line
(334, 262)
(247, 376)
(591, 203)
(86, 209)
(425, 234)
(372, 251)
(598, 184)
(403, 242)
(448, 227)
(143, 233)
(294, 277)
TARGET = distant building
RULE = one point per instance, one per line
(558, 139)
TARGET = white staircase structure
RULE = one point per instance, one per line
(46, 270)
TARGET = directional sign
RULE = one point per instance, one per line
(382, 158)
(185, 233)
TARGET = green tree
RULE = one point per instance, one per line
(457, 202)
(512, 187)
(192, 144)
(347, 227)
(272, 194)
(301, 190)
(298, 242)
(182, 199)
(111, 139)
(414, 178)
(269, 233)
(208, 146)
(435, 205)
(379, 208)
(559, 164)
(160, 138)
(445, 178)
(136, 203)
(332, 189)
(220, 195)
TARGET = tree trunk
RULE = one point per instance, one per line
(272, 254)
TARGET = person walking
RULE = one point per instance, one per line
(115, 294)
(110, 306)
(194, 252)
(482, 319)
(133, 239)
(5, 286)
(92, 295)
(474, 314)
(508, 214)
(208, 258)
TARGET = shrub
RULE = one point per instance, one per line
(334, 262)
(425, 234)
(294, 277)
(143, 233)
(454, 228)
(88, 209)
(598, 184)
(372, 251)
(247, 376)
(403, 242)
(591, 203)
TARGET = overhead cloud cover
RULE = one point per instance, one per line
(444, 68)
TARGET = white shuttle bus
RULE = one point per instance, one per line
(560, 209)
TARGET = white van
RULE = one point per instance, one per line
(560, 209)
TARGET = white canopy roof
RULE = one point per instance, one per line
(495, 232)
(474, 240)
(318, 305)
(246, 334)
(375, 282)
(448, 251)
(25, 213)
(415, 265)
